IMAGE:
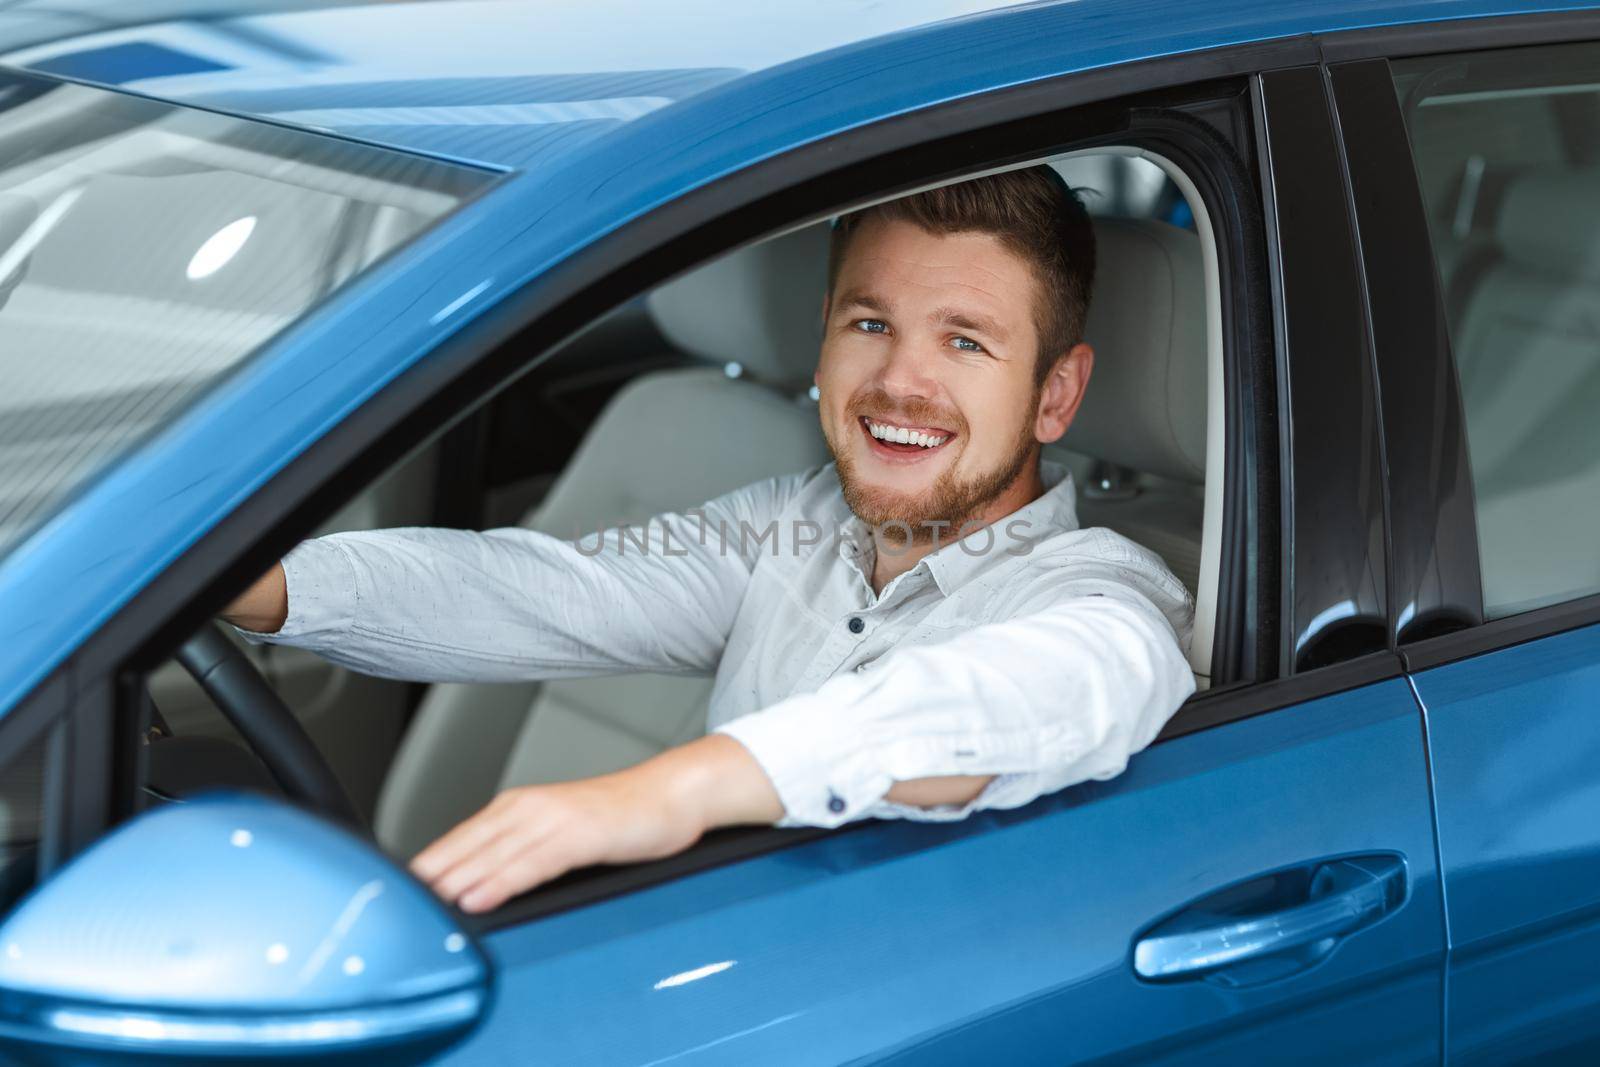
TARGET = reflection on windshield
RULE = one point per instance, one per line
(146, 250)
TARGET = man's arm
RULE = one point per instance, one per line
(1083, 675)
(1059, 695)
(531, 834)
(435, 605)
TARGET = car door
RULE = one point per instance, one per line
(1260, 885)
(1480, 163)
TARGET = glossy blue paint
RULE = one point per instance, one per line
(1008, 938)
(235, 924)
(74, 573)
(1515, 742)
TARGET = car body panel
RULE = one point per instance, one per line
(1515, 743)
(898, 942)
(69, 577)
(1007, 938)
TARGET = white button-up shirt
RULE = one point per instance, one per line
(1033, 650)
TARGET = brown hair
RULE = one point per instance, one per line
(1032, 212)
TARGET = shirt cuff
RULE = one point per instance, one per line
(818, 784)
(322, 594)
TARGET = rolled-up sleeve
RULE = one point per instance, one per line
(440, 605)
(1080, 676)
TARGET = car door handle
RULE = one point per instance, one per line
(1293, 918)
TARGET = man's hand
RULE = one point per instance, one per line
(534, 833)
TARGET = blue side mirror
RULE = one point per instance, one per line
(234, 927)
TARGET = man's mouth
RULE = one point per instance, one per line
(892, 439)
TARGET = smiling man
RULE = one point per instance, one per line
(918, 630)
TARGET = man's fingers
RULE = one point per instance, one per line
(535, 866)
(532, 834)
(462, 841)
(493, 855)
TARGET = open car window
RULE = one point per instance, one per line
(556, 452)
(146, 250)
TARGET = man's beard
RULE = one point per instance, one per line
(950, 503)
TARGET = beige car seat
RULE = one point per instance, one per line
(667, 441)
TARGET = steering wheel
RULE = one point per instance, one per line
(266, 723)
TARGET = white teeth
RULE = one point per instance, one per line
(901, 435)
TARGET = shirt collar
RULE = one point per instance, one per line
(1052, 512)
(855, 543)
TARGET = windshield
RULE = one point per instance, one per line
(146, 250)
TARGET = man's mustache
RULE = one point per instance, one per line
(880, 405)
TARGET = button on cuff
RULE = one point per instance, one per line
(816, 785)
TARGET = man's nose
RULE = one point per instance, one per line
(908, 370)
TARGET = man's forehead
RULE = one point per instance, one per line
(906, 247)
(896, 265)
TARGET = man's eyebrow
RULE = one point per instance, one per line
(860, 298)
(969, 320)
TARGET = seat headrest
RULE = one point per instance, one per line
(759, 307)
(1550, 221)
(1146, 403)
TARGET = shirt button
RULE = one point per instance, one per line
(857, 624)
(835, 803)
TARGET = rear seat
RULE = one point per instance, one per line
(1526, 338)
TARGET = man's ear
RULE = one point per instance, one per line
(1063, 392)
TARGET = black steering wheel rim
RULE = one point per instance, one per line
(254, 708)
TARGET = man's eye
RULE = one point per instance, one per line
(872, 326)
(967, 344)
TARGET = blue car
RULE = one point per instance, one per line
(309, 265)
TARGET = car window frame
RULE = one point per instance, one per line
(1436, 532)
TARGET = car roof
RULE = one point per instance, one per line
(625, 108)
(520, 85)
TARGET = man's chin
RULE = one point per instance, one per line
(893, 511)
(928, 501)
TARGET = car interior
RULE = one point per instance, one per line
(1508, 154)
(726, 353)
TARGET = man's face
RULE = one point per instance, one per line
(935, 335)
